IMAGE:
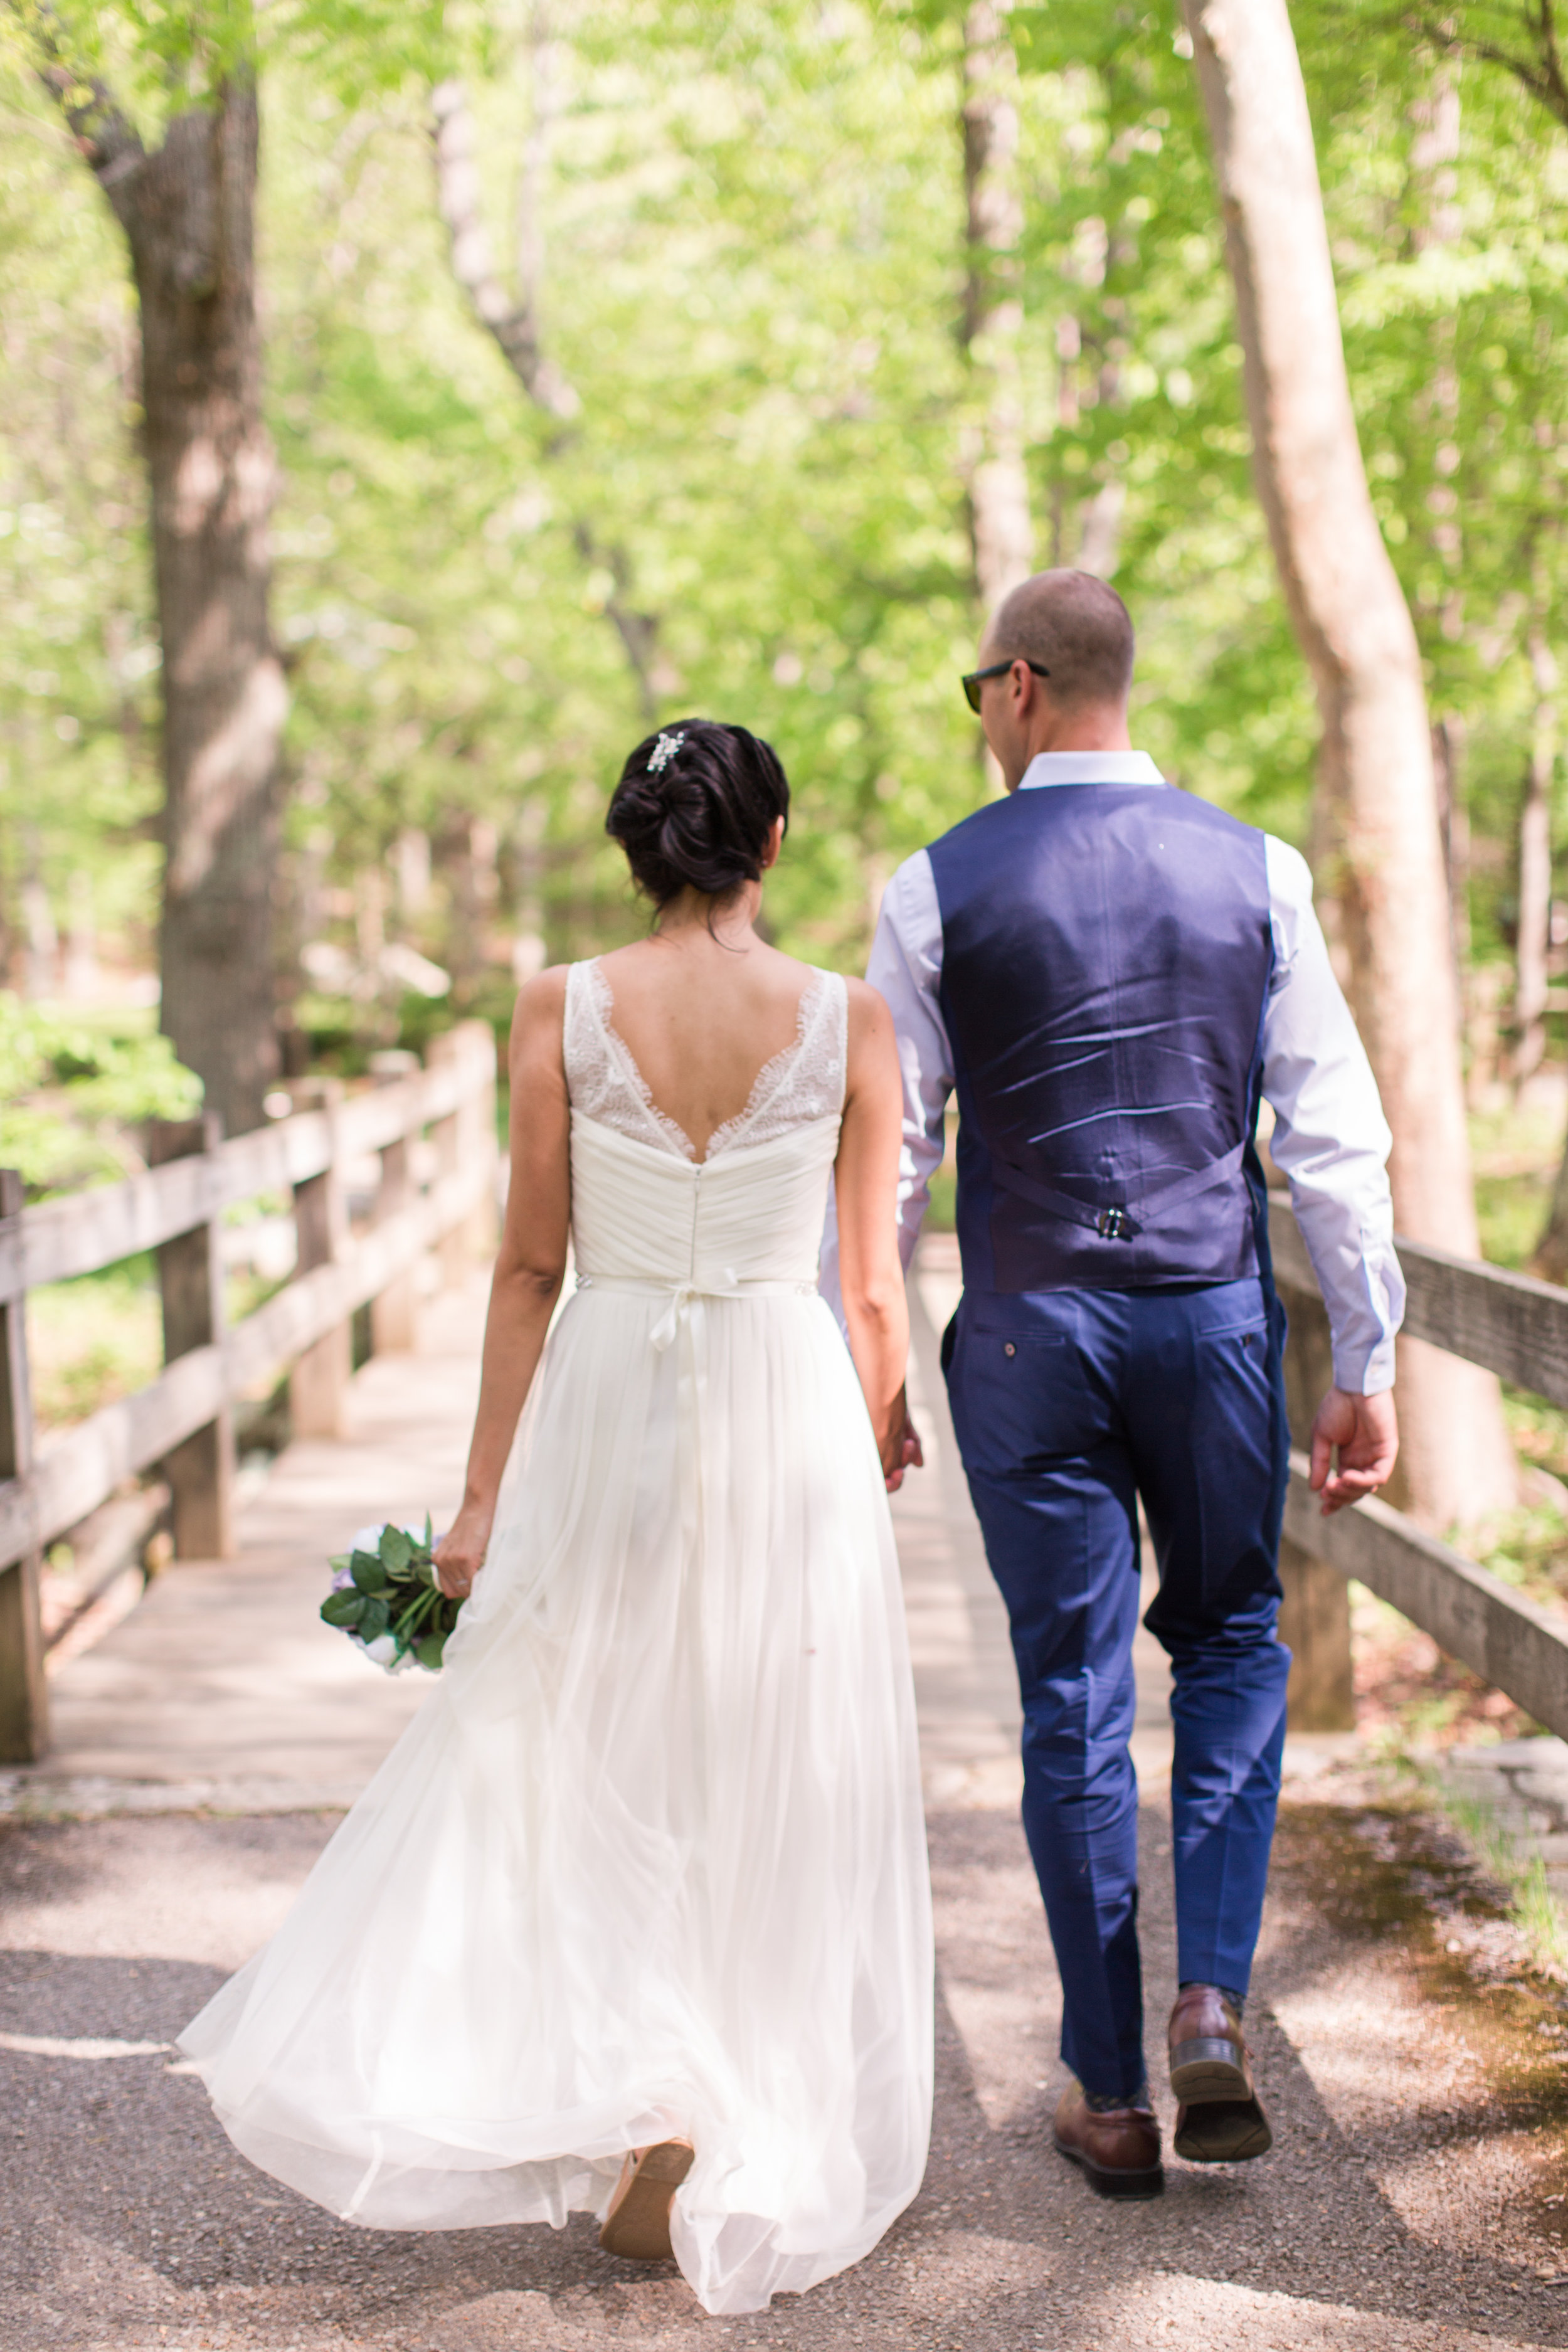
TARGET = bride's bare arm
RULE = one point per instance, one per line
(865, 1178)
(530, 1268)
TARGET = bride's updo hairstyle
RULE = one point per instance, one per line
(694, 808)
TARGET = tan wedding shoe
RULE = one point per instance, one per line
(637, 2226)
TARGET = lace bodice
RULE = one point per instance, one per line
(804, 1083)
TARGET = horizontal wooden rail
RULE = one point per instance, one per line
(1516, 1327)
(85, 1231)
(82, 1469)
(183, 1421)
(1473, 1615)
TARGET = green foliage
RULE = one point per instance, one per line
(751, 230)
(150, 60)
(70, 1086)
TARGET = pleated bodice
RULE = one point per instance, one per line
(753, 1216)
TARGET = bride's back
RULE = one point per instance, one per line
(700, 1017)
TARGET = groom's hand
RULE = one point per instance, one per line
(905, 1453)
(1364, 1433)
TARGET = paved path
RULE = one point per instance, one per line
(223, 1687)
(1416, 2199)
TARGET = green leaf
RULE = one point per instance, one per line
(430, 1649)
(345, 1608)
(429, 1534)
(368, 1572)
(396, 1550)
(374, 1621)
(338, 1561)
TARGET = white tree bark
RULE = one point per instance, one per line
(514, 323)
(1535, 867)
(998, 482)
(1375, 759)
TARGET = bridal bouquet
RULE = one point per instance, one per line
(386, 1598)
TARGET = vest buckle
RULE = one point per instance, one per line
(1114, 1226)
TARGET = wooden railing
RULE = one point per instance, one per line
(1516, 1327)
(184, 1419)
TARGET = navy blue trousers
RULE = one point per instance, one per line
(1069, 1405)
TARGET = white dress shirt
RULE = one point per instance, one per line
(1330, 1141)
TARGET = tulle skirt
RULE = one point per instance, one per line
(650, 1861)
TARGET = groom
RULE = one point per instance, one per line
(1111, 973)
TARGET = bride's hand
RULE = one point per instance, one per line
(460, 1554)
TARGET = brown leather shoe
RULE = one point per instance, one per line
(1220, 2117)
(636, 2225)
(1227, 2131)
(1117, 2153)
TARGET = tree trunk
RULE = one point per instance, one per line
(1535, 869)
(1375, 760)
(998, 483)
(188, 213)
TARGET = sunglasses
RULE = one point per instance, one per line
(973, 679)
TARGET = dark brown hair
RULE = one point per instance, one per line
(700, 819)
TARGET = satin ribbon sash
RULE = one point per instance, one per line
(684, 1318)
(681, 1297)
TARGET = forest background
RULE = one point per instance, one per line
(744, 234)
(622, 362)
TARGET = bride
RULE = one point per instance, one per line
(635, 1918)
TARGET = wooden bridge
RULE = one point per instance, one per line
(432, 1133)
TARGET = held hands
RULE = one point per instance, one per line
(1364, 1431)
(900, 1447)
(460, 1554)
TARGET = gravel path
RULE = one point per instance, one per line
(1418, 2107)
(1414, 2069)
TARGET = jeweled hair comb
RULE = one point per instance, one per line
(663, 752)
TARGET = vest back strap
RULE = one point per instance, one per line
(1117, 1225)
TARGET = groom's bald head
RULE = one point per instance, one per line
(1076, 627)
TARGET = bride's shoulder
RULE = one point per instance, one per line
(539, 1009)
(869, 1021)
(808, 980)
(546, 993)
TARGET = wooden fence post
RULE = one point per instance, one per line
(24, 1694)
(467, 1139)
(394, 1311)
(1315, 1616)
(479, 1145)
(200, 1470)
(318, 1385)
(447, 1135)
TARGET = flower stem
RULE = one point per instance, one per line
(404, 1631)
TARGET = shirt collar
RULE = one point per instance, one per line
(1090, 768)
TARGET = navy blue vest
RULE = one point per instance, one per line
(1106, 957)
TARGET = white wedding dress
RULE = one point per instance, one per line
(651, 1860)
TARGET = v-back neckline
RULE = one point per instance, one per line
(605, 1004)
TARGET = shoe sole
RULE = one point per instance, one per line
(1228, 2132)
(1205, 2072)
(1149, 2181)
(637, 2226)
